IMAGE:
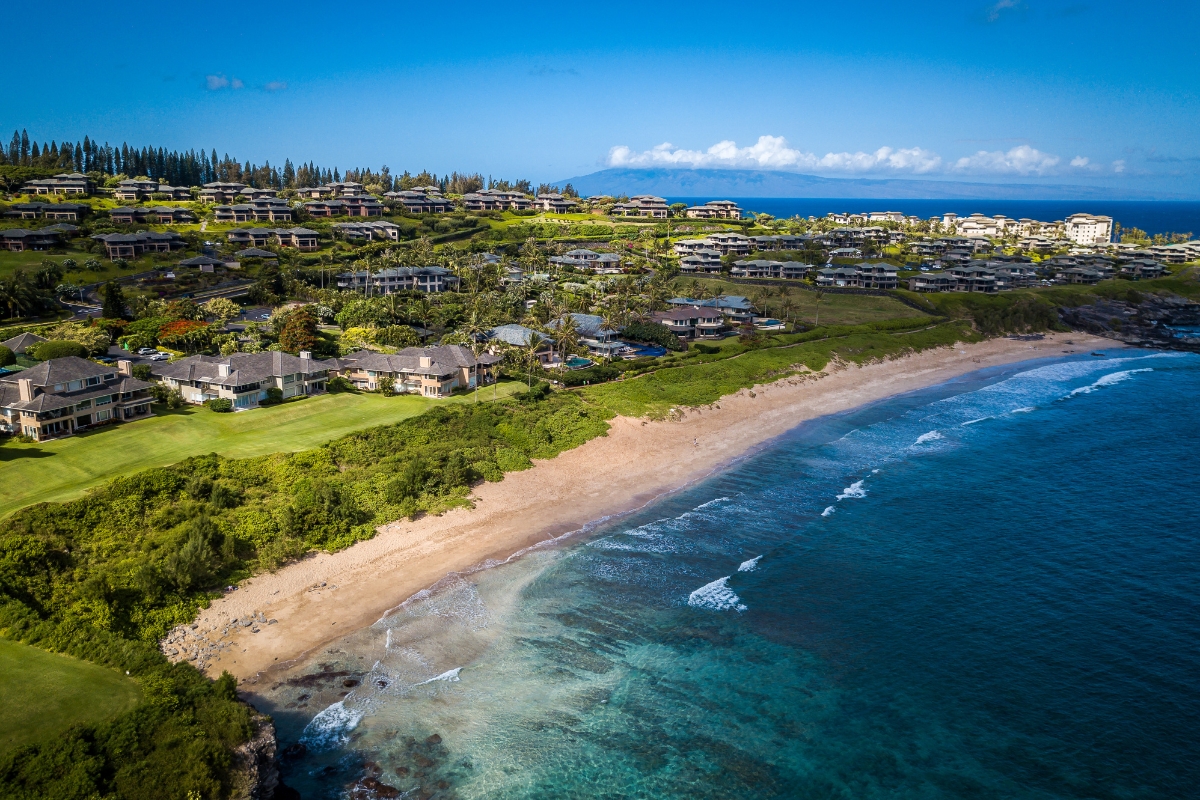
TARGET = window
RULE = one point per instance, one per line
(103, 401)
(94, 380)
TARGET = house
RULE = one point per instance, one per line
(704, 261)
(163, 215)
(254, 252)
(598, 339)
(878, 275)
(603, 263)
(300, 238)
(255, 193)
(729, 243)
(138, 190)
(1079, 275)
(645, 205)
(427, 371)
(270, 209)
(132, 245)
(838, 277)
(20, 239)
(244, 378)
(219, 192)
(496, 200)
(68, 211)
(735, 308)
(974, 278)
(784, 242)
(520, 336)
(362, 206)
(715, 209)
(1142, 269)
(932, 282)
(61, 396)
(202, 262)
(19, 344)
(418, 202)
(397, 279)
(63, 183)
(845, 252)
(691, 322)
(757, 268)
(381, 230)
(553, 202)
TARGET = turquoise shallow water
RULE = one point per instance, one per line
(984, 589)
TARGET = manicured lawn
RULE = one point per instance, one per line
(43, 694)
(65, 468)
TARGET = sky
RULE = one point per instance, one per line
(1025, 91)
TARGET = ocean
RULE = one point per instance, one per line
(1151, 216)
(989, 588)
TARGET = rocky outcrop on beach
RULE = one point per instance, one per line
(256, 773)
(1141, 320)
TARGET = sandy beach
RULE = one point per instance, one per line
(281, 616)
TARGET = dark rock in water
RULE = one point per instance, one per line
(423, 761)
(443, 785)
(350, 683)
(435, 739)
(285, 792)
(371, 788)
(302, 698)
(255, 774)
(295, 751)
(402, 771)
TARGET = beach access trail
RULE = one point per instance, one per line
(324, 597)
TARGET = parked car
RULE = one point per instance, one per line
(146, 351)
(160, 356)
(264, 316)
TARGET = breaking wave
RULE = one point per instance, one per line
(331, 727)
(932, 436)
(751, 565)
(1111, 379)
(716, 596)
(853, 490)
(449, 676)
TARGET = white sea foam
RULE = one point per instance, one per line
(1111, 379)
(973, 421)
(711, 503)
(331, 727)
(829, 510)
(716, 596)
(449, 676)
(932, 436)
(751, 565)
(1025, 410)
(853, 490)
(387, 645)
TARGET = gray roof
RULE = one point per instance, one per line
(516, 335)
(244, 368)
(18, 343)
(62, 370)
(590, 325)
(255, 252)
(200, 261)
(444, 360)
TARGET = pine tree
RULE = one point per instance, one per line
(24, 148)
(114, 301)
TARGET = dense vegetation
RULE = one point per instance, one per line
(105, 576)
(651, 333)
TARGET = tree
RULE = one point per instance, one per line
(222, 309)
(529, 355)
(114, 301)
(58, 348)
(7, 357)
(819, 297)
(299, 331)
(94, 339)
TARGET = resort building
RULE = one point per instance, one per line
(599, 340)
(133, 190)
(70, 212)
(761, 268)
(645, 205)
(380, 230)
(64, 395)
(244, 378)
(419, 202)
(715, 209)
(347, 205)
(691, 322)
(299, 238)
(519, 336)
(22, 342)
(218, 192)
(734, 308)
(163, 215)
(20, 239)
(427, 371)
(1088, 229)
(554, 203)
(132, 245)
(496, 200)
(263, 209)
(397, 279)
(701, 262)
(603, 263)
(63, 183)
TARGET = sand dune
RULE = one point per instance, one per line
(324, 597)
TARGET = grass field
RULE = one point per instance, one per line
(835, 309)
(43, 694)
(65, 468)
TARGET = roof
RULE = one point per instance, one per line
(444, 360)
(200, 261)
(516, 335)
(589, 325)
(255, 252)
(18, 343)
(245, 368)
(62, 370)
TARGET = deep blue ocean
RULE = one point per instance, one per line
(1151, 216)
(985, 589)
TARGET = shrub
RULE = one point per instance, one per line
(58, 348)
(175, 399)
(274, 397)
(7, 357)
(652, 333)
(220, 405)
(596, 374)
(387, 386)
(339, 384)
(707, 349)
(142, 372)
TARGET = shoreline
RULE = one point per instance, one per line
(323, 597)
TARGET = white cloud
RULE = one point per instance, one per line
(773, 152)
(1080, 161)
(1119, 165)
(215, 83)
(275, 86)
(1022, 160)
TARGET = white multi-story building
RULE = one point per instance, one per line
(1088, 229)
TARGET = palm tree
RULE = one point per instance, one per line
(474, 328)
(421, 309)
(567, 335)
(530, 356)
(819, 297)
